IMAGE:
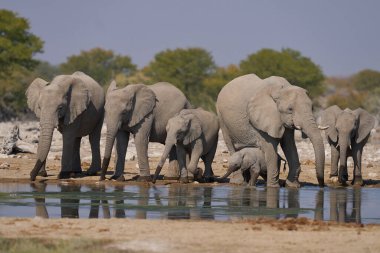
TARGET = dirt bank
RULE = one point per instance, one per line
(126, 235)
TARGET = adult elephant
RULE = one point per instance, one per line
(75, 105)
(263, 113)
(142, 111)
(347, 132)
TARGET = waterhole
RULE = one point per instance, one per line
(176, 201)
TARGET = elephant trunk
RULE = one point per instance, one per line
(344, 144)
(110, 139)
(168, 147)
(228, 173)
(312, 131)
(44, 144)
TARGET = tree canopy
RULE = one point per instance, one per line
(17, 44)
(185, 68)
(367, 80)
(102, 65)
(288, 63)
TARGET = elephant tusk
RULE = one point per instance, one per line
(298, 127)
(323, 127)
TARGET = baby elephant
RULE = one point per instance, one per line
(251, 161)
(195, 134)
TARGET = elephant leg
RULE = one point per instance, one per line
(288, 145)
(227, 138)
(173, 170)
(269, 146)
(142, 141)
(334, 162)
(208, 159)
(76, 167)
(181, 156)
(43, 172)
(196, 153)
(68, 152)
(254, 175)
(357, 156)
(94, 138)
(122, 139)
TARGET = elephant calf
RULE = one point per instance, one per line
(347, 132)
(252, 163)
(194, 132)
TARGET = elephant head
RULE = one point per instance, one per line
(126, 106)
(57, 103)
(234, 163)
(279, 105)
(346, 128)
(182, 129)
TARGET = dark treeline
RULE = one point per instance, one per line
(193, 70)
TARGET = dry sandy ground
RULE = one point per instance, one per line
(191, 236)
(299, 235)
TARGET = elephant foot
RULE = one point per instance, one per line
(42, 173)
(102, 177)
(275, 185)
(143, 179)
(33, 175)
(357, 181)
(69, 174)
(334, 179)
(118, 178)
(208, 179)
(183, 180)
(294, 184)
(92, 172)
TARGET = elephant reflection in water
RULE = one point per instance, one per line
(97, 201)
(41, 210)
(188, 202)
(260, 200)
(338, 205)
(70, 204)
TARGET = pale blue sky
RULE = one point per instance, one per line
(342, 36)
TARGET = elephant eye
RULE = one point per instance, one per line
(290, 109)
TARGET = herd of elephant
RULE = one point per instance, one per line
(255, 116)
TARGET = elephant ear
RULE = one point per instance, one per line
(145, 101)
(329, 117)
(263, 113)
(78, 99)
(194, 131)
(33, 93)
(112, 87)
(366, 124)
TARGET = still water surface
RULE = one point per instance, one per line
(224, 202)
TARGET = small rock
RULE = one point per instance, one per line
(225, 151)
(57, 158)
(137, 166)
(19, 156)
(225, 161)
(369, 165)
(5, 166)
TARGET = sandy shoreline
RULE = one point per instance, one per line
(263, 235)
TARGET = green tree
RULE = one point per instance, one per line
(367, 80)
(185, 68)
(221, 77)
(102, 65)
(288, 63)
(17, 44)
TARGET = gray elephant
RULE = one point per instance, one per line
(194, 133)
(347, 132)
(142, 111)
(75, 105)
(263, 113)
(251, 162)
